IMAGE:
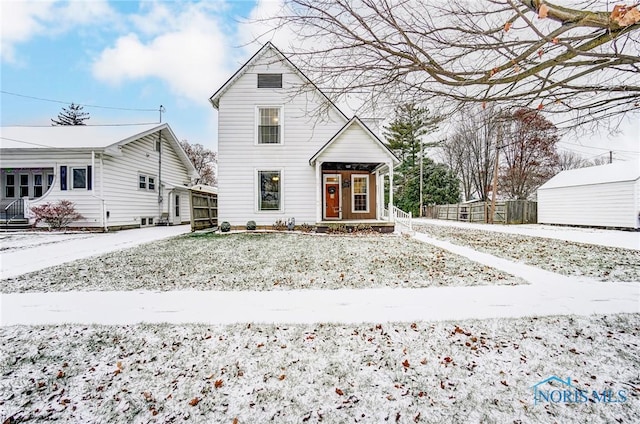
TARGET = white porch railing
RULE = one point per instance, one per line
(402, 217)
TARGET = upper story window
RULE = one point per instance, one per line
(146, 182)
(269, 125)
(269, 80)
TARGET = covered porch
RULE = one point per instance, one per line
(353, 176)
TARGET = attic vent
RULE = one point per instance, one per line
(269, 80)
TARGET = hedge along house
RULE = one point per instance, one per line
(117, 176)
(597, 196)
(286, 151)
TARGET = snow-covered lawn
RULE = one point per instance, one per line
(564, 257)
(30, 239)
(265, 261)
(454, 371)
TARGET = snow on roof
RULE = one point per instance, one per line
(72, 136)
(609, 173)
(204, 188)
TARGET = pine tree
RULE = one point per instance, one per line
(71, 116)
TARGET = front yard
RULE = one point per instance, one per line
(563, 257)
(265, 261)
(469, 371)
(434, 372)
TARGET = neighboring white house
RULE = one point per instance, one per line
(596, 196)
(117, 176)
(286, 151)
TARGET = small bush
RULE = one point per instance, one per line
(225, 227)
(337, 229)
(251, 225)
(280, 225)
(56, 215)
(305, 228)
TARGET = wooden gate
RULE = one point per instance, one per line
(204, 208)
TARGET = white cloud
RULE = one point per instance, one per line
(183, 44)
(23, 20)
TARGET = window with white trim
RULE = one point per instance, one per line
(360, 193)
(37, 185)
(269, 125)
(269, 190)
(146, 182)
(10, 185)
(78, 178)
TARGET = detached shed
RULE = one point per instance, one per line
(596, 196)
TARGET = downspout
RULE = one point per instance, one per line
(159, 174)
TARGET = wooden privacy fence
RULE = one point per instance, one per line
(204, 209)
(507, 212)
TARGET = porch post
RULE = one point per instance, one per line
(318, 191)
(379, 200)
(390, 165)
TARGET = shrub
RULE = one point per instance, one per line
(306, 228)
(337, 229)
(251, 225)
(280, 225)
(225, 227)
(56, 215)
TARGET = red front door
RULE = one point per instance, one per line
(332, 200)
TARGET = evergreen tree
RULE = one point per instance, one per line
(440, 186)
(74, 115)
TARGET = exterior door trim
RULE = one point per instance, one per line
(325, 177)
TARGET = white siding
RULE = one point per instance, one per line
(125, 201)
(604, 205)
(355, 142)
(305, 131)
(85, 201)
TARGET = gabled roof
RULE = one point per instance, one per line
(354, 121)
(102, 138)
(602, 174)
(215, 98)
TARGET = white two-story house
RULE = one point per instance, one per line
(286, 151)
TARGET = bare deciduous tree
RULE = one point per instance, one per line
(471, 149)
(581, 60)
(570, 160)
(204, 160)
(529, 153)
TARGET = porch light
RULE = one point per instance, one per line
(275, 178)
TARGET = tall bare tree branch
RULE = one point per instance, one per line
(581, 59)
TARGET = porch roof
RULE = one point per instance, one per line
(363, 147)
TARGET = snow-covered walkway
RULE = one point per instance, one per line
(34, 257)
(547, 294)
(597, 236)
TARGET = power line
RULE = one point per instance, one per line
(80, 104)
(25, 142)
(600, 148)
(87, 125)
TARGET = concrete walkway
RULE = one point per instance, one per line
(41, 256)
(547, 294)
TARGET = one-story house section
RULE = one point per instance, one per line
(117, 176)
(596, 196)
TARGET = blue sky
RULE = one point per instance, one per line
(121, 54)
(140, 55)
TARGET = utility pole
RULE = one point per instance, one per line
(494, 188)
(421, 182)
(610, 156)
